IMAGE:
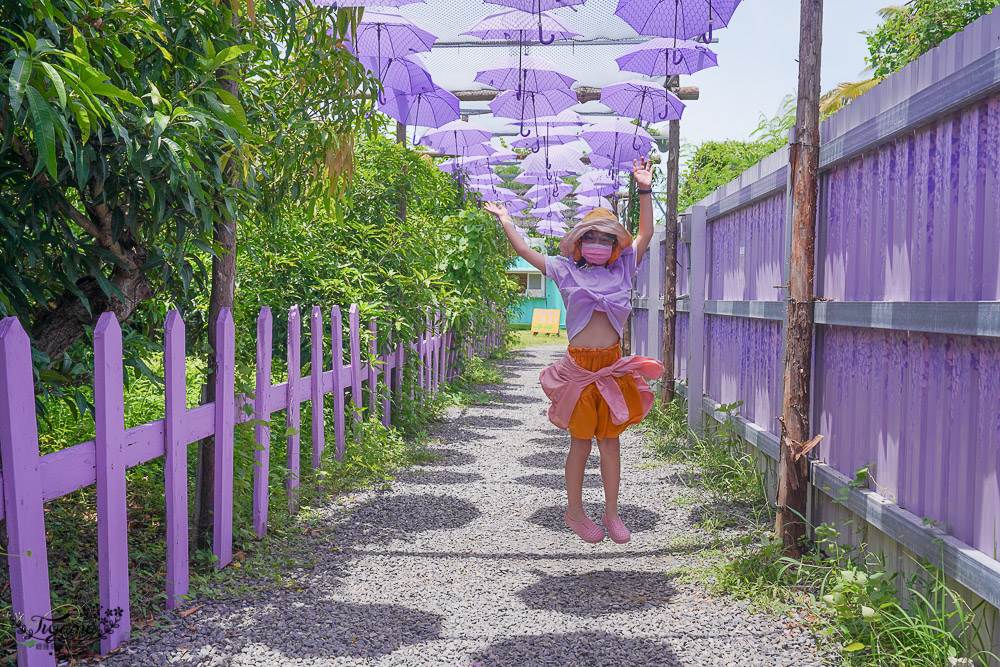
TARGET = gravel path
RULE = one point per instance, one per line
(467, 562)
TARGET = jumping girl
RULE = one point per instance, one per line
(595, 392)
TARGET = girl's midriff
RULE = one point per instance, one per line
(598, 332)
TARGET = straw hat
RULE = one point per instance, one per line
(599, 220)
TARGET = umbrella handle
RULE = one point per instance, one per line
(707, 37)
(541, 35)
(538, 146)
(523, 133)
(678, 57)
(666, 110)
(635, 145)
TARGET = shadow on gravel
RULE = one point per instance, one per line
(450, 457)
(511, 399)
(330, 629)
(441, 477)
(483, 422)
(553, 460)
(636, 518)
(598, 593)
(397, 516)
(556, 441)
(557, 481)
(580, 649)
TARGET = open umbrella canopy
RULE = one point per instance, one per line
(455, 164)
(683, 19)
(524, 73)
(514, 205)
(486, 178)
(384, 36)
(515, 25)
(642, 100)
(535, 143)
(557, 191)
(559, 160)
(365, 3)
(531, 104)
(565, 118)
(666, 56)
(537, 7)
(537, 178)
(459, 137)
(593, 202)
(430, 109)
(403, 74)
(618, 140)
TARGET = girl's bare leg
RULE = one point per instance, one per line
(576, 465)
(611, 471)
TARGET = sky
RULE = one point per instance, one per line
(757, 57)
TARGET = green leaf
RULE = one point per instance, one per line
(57, 82)
(856, 646)
(19, 75)
(107, 90)
(230, 53)
(232, 101)
(45, 131)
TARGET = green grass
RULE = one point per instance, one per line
(372, 455)
(859, 612)
(527, 339)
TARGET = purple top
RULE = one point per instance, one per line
(591, 288)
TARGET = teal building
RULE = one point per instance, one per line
(538, 291)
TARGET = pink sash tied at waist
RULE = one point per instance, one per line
(565, 380)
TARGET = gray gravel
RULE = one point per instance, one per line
(467, 562)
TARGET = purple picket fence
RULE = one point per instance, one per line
(28, 480)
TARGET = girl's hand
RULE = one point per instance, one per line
(499, 210)
(642, 171)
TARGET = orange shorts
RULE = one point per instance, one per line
(592, 417)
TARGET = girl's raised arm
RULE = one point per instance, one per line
(643, 174)
(521, 247)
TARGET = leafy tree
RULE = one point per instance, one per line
(907, 31)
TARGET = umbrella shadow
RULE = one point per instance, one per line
(487, 422)
(557, 481)
(580, 649)
(553, 461)
(599, 593)
(440, 477)
(555, 441)
(450, 457)
(637, 519)
(394, 517)
(507, 398)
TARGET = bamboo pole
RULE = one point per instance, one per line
(670, 262)
(793, 465)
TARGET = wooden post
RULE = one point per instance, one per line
(339, 381)
(354, 339)
(793, 467)
(112, 511)
(27, 557)
(670, 263)
(175, 458)
(316, 386)
(696, 336)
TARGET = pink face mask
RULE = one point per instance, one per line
(595, 253)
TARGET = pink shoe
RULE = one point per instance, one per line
(616, 529)
(586, 529)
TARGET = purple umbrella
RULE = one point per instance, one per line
(401, 74)
(613, 139)
(565, 118)
(557, 191)
(536, 143)
(641, 100)
(593, 202)
(524, 73)
(364, 3)
(532, 105)
(488, 178)
(559, 160)
(384, 36)
(665, 56)
(430, 109)
(513, 25)
(537, 179)
(552, 227)
(459, 137)
(471, 168)
(683, 19)
(515, 205)
(537, 7)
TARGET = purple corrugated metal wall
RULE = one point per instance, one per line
(914, 219)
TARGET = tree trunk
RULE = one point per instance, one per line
(670, 262)
(793, 466)
(223, 288)
(401, 140)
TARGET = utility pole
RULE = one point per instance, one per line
(670, 254)
(793, 462)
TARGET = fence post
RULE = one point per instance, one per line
(428, 355)
(337, 353)
(373, 369)
(262, 432)
(225, 436)
(696, 335)
(175, 458)
(316, 385)
(653, 295)
(354, 336)
(387, 366)
(112, 517)
(27, 557)
(292, 440)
